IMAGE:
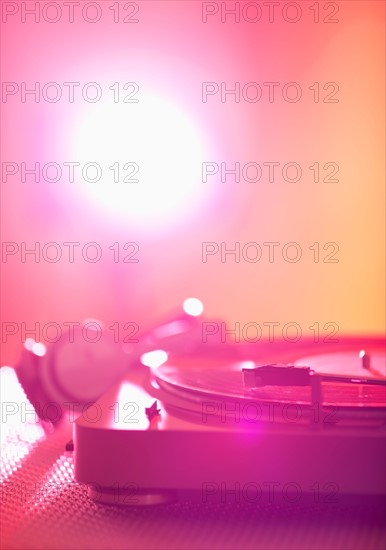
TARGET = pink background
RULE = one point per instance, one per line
(170, 52)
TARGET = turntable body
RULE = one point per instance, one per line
(152, 435)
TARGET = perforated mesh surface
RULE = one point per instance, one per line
(42, 507)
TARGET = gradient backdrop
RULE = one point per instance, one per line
(169, 52)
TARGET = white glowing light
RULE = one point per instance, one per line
(193, 306)
(154, 358)
(39, 349)
(150, 156)
(247, 365)
(28, 344)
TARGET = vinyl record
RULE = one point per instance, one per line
(193, 381)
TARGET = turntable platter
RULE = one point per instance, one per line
(195, 379)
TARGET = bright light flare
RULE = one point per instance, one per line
(36, 347)
(150, 155)
(28, 344)
(193, 306)
(39, 349)
(154, 359)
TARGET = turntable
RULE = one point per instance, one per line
(212, 425)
